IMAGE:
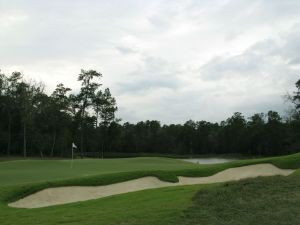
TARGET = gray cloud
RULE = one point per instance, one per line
(154, 73)
(127, 50)
(246, 64)
(266, 58)
(163, 59)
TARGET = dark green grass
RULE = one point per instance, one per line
(260, 201)
(15, 192)
(137, 168)
(283, 162)
(149, 207)
(234, 204)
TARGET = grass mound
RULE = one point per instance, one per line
(263, 201)
(282, 162)
(15, 193)
(273, 200)
(33, 171)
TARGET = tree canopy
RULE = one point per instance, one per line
(35, 123)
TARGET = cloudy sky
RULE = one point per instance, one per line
(165, 60)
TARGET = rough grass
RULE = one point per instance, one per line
(233, 204)
(283, 162)
(168, 173)
(263, 201)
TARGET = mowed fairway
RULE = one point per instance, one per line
(267, 201)
(29, 171)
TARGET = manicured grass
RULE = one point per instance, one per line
(51, 173)
(160, 206)
(29, 171)
(263, 201)
(149, 207)
(15, 192)
(283, 162)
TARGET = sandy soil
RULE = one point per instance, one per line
(62, 195)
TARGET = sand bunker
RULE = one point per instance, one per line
(62, 195)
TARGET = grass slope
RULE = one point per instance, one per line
(106, 170)
(262, 201)
(261, 196)
(29, 171)
(158, 206)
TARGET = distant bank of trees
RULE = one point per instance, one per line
(33, 123)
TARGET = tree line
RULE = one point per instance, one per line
(35, 123)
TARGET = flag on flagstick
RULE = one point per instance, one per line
(73, 147)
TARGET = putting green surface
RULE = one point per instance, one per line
(29, 171)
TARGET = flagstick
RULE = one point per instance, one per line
(72, 157)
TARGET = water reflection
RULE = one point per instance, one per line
(209, 160)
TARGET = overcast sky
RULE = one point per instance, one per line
(164, 60)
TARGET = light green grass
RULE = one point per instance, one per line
(161, 206)
(32, 176)
(29, 171)
(149, 207)
(262, 201)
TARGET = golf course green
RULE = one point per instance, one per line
(250, 201)
(28, 171)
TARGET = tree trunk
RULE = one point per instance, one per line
(24, 141)
(9, 135)
(53, 143)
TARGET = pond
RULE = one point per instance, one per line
(209, 160)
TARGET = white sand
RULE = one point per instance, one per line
(62, 195)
